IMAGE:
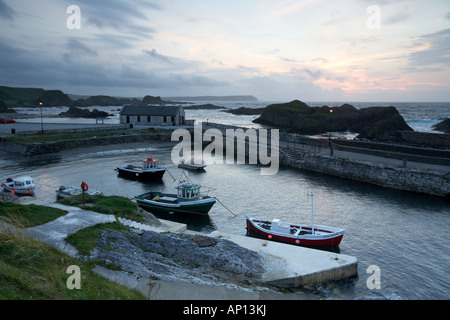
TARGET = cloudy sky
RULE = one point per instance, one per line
(312, 50)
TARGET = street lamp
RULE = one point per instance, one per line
(329, 139)
(42, 123)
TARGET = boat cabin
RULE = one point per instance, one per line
(150, 163)
(23, 182)
(188, 191)
(278, 226)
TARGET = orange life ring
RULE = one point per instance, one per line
(84, 186)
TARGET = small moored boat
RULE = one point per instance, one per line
(22, 186)
(298, 234)
(67, 192)
(150, 169)
(188, 199)
(192, 164)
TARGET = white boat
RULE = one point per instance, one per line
(67, 192)
(192, 164)
(22, 186)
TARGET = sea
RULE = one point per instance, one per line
(403, 235)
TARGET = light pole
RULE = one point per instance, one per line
(329, 139)
(42, 123)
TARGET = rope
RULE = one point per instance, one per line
(225, 207)
(170, 174)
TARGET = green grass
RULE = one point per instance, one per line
(51, 137)
(28, 216)
(115, 205)
(32, 270)
(86, 239)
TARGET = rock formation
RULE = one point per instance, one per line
(443, 126)
(378, 123)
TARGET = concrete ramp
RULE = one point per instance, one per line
(296, 266)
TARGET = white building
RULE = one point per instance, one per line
(153, 115)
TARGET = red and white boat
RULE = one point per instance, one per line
(297, 234)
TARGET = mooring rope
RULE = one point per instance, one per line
(225, 207)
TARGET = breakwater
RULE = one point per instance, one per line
(408, 179)
(305, 153)
(40, 148)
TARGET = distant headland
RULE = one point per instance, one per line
(12, 97)
(243, 98)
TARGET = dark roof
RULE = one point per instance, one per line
(150, 110)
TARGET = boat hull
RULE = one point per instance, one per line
(22, 186)
(68, 192)
(322, 237)
(18, 191)
(199, 206)
(192, 166)
(143, 175)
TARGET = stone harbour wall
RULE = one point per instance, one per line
(32, 149)
(415, 180)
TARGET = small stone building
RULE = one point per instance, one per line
(152, 115)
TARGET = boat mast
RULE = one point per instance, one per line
(312, 212)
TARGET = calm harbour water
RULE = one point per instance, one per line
(404, 234)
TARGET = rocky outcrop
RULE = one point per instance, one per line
(378, 123)
(207, 106)
(75, 112)
(4, 108)
(443, 126)
(246, 111)
(178, 257)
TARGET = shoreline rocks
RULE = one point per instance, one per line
(443, 126)
(177, 257)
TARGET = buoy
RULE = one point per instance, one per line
(297, 241)
(270, 236)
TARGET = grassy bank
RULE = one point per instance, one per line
(32, 270)
(115, 205)
(28, 216)
(51, 137)
(78, 135)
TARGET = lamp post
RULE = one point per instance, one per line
(329, 139)
(42, 123)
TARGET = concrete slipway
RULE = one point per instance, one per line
(299, 266)
(295, 266)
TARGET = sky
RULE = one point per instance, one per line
(311, 50)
